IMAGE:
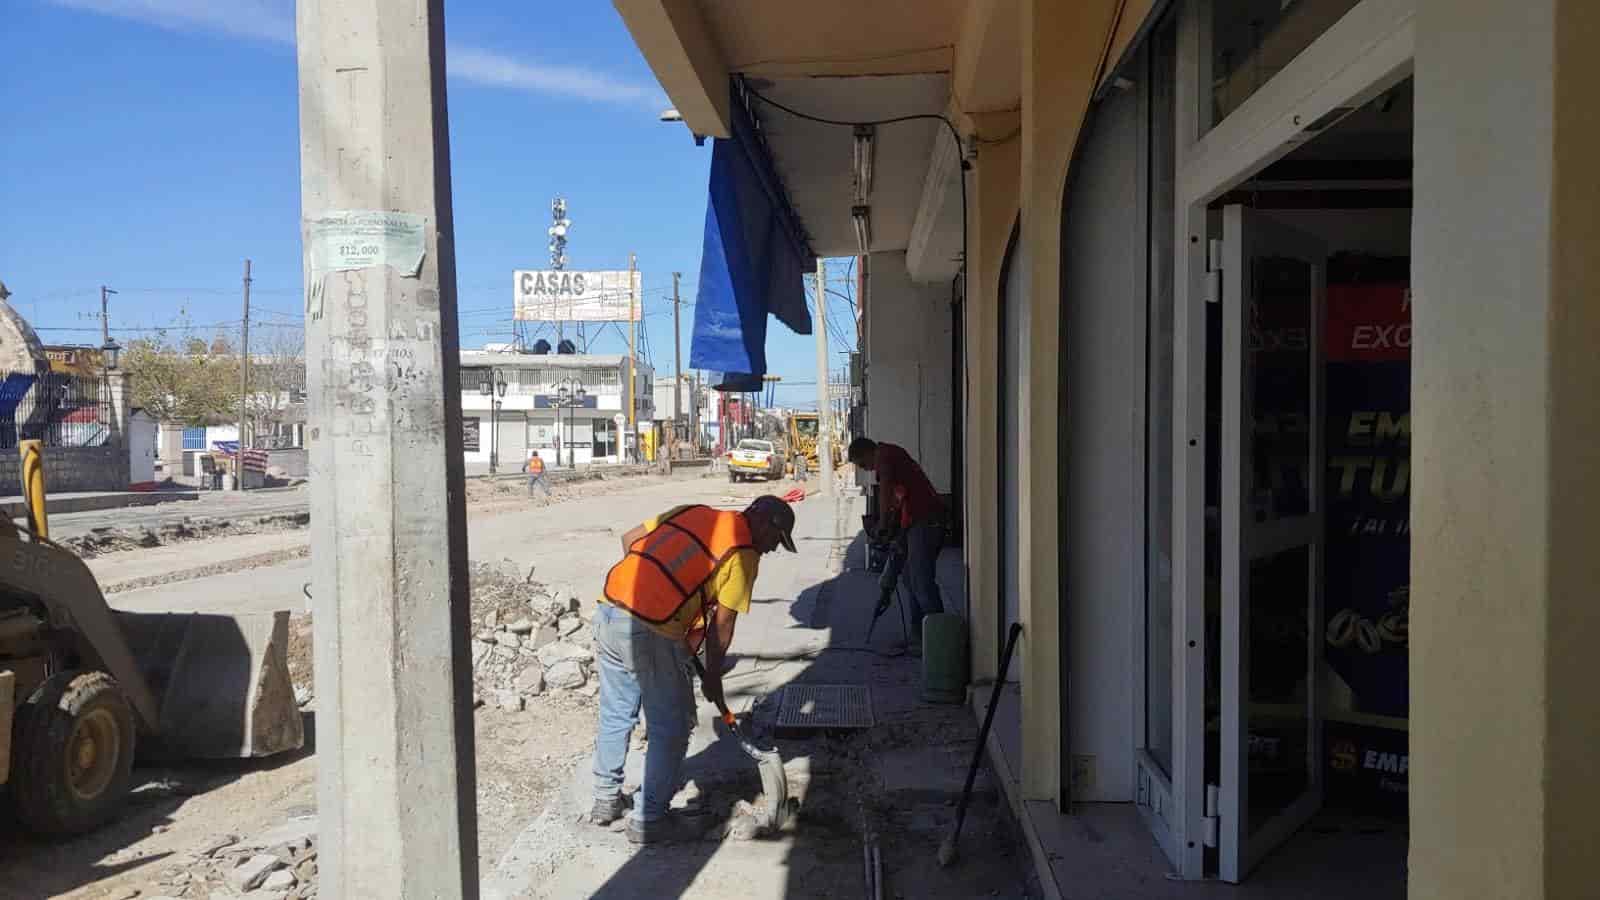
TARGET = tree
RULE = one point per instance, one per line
(179, 376)
(176, 378)
(277, 379)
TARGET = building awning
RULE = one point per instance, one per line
(753, 261)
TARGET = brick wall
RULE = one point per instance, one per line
(70, 469)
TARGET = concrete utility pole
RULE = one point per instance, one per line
(244, 382)
(633, 380)
(396, 784)
(105, 315)
(677, 363)
(824, 440)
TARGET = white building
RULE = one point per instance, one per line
(530, 417)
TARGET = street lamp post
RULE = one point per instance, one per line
(110, 361)
(569, 395)
(493, 386)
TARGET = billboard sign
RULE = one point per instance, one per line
(552, 295)
(74, 360)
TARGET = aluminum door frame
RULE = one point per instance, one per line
(1246, 235)
(1367, 52)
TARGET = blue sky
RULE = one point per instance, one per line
(152, 145)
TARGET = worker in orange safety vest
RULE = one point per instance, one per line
(684, 579)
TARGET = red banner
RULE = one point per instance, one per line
(1369, 322)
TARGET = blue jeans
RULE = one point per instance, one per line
(923, 541)
(641, 669)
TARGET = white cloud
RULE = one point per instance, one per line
(494, 69)
(273, 21)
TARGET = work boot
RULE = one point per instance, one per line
(672, 828)
(607, 811)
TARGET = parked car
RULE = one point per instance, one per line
(754, 459)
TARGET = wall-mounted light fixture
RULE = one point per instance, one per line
(861, 217)
(862, 163)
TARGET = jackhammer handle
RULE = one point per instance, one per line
(722, 707)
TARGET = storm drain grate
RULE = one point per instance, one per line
(826, 706)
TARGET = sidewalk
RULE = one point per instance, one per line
(93, 501)
(895, 784)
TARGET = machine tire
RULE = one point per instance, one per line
(53, 796)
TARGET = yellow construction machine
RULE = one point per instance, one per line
(84, 688)
(803, 431)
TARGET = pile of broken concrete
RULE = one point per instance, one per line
(523, 649)
(278, 865)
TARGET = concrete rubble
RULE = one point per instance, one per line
(528, 638)
(280, 864)
(107, 539)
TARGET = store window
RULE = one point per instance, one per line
(470, 441)
(194, 438)
(1253, 40)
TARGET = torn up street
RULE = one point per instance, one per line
(881, 794)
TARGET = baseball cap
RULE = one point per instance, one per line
(779, 514)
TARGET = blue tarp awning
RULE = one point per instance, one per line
(752, 264)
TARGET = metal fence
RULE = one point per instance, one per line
(62, 409)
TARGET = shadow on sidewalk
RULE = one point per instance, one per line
(894, 785)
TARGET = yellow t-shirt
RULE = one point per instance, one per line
(729, 586)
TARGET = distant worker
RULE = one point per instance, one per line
(535, 469)
(684, 580)
(910, 509)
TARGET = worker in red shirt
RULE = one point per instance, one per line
(908, 502)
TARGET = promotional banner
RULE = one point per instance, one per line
(1369, 769)
(1367, 345)
(1368, 382)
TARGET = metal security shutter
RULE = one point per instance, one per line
(512, 438)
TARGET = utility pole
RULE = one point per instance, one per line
(824, 441)
(244, 383)
(694, 414)
(105, 315)
(677, 365)
(633, 315)
(396, 778)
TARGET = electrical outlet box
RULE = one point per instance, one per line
(1083, 772)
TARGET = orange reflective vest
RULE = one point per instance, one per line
(663, 570)
(535, 465)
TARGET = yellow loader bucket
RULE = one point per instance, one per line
(221, 681)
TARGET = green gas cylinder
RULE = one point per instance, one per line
(944, 658)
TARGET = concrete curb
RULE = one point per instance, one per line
(94, 503)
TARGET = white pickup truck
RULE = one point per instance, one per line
(754, 459)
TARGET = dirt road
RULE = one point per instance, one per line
(524, 758)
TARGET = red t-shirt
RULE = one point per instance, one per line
(899, 474)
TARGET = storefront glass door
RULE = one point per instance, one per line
(1272, 537)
